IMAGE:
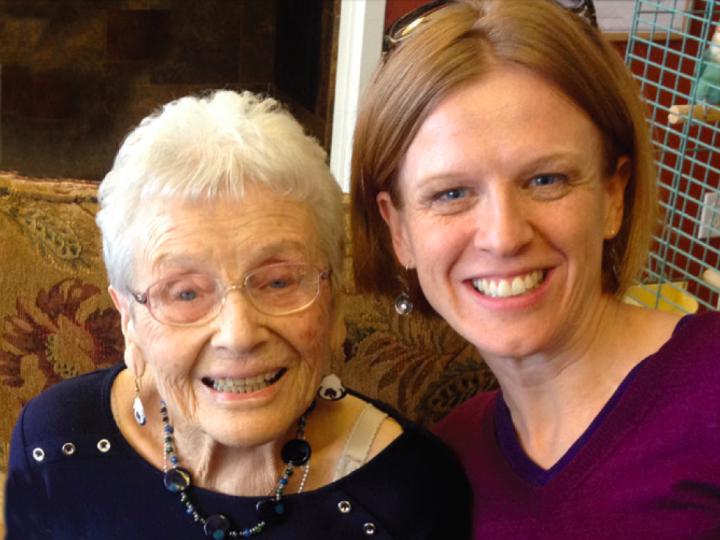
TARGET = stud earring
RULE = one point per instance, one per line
(403, 303)
(138, 409)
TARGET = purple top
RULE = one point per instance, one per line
(648, 466)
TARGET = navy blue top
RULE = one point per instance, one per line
(413, 489)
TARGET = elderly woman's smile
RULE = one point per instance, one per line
(243, 385)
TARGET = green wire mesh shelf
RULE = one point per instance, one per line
(667, 53)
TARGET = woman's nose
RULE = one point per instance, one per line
(238, 325)
(503, 224)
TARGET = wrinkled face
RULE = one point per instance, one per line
(505, 210)
(244, 377)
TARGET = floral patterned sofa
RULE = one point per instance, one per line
(57, 320)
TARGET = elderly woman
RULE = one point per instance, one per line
(222, 233)
(504, 145)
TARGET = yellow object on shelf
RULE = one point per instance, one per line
(712, 277)
(669, 297)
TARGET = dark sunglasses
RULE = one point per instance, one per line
(404, 26)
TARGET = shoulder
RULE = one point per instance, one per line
(416, 487)
(427, 452)
(469, 428)
(55, 429)
(684, 373)
(472, 412)
(408, 442)
(696, 340)
(381, 406)
(68, 410)
(703, 323)
(397, 432)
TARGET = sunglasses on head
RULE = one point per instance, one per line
(404, 26)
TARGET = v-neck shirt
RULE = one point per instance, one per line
(647, 465)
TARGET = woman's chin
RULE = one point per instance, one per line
(250, 418)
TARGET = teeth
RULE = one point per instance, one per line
(492, 288)
(518, 286)
(504, 288)
(244, 386)
(530, 281)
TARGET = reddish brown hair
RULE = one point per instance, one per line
(460, 43)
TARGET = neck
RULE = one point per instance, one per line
(554, 395)
(242, 471)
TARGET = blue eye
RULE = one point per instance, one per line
(187, 296)
(451, 195)
(549, 187)
(547, 180)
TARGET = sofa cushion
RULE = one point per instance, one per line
(56, 318)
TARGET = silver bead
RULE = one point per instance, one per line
(403, 304)
(344, 507)
(369, 529)
(68, 449)
(103, 445)
(38, 454)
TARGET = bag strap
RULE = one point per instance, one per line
(358, 443)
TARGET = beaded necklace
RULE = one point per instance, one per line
(295, 453)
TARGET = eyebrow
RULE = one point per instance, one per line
(565, 159)
(198, 260)
(171, 259)
(281, 247)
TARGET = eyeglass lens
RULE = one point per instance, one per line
(274, 289)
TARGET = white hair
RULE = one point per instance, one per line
(205, 148)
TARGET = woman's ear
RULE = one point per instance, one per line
(615, 192)
(132, 355)
(122, 304)
(393, 217)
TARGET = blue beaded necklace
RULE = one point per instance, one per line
(295, 453)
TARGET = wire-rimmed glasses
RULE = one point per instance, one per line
(404, 26)
(194, 299)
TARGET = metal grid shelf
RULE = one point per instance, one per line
(667, 57)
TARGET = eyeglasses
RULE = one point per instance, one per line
(404, 26)
(195, 299)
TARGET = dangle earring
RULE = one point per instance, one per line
(138, 409)
(403, 304)
(331, 388)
